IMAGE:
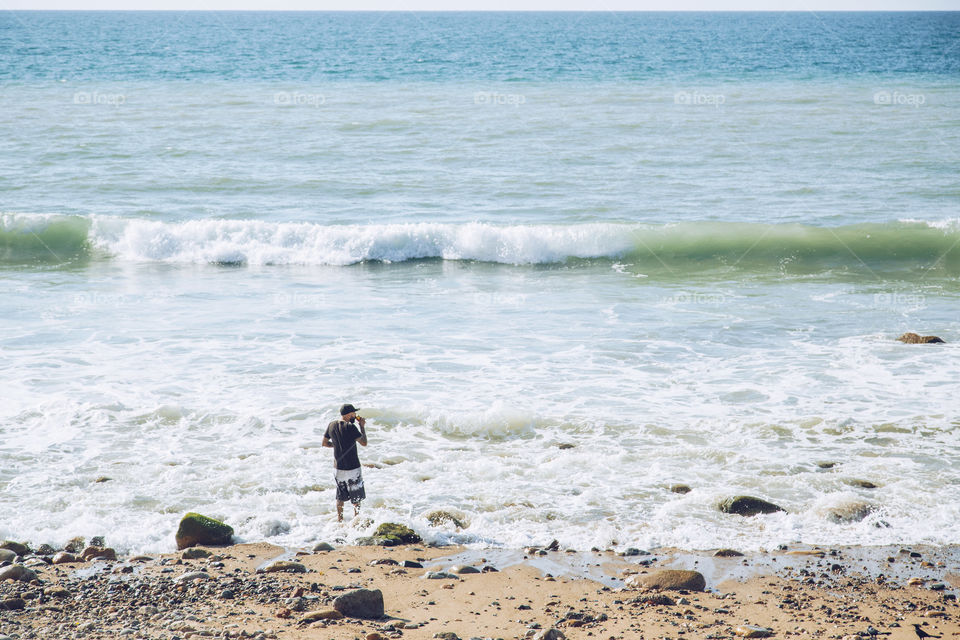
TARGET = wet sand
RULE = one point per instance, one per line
(802, 592)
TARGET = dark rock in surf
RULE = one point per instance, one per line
(727, 553)
(680, 488)
(748, 506)
(913, 338)
(862, 484)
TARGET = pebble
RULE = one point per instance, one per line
(195, 553)
(464, 570)
(283, 566)
(752, 631)
(440, 575)
(323, 546)
(191, 576)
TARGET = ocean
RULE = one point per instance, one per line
(681, 245)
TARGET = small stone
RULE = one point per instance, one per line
(191, 576)
(411, 564)
(6, 555)
(938, 586)
(97, 541)
(446, 635)
(283, 566)
(57, 592)
(227, 594)
(566, 445)
(553, 546)
(361, 603)
(101, 479)
(680, 488)
(727, 553)
(195, 553)
(440, 575)
(45, 550)
(549, 634)
(323, 546)
(752, 631)
(374, 636)
(64, 557)
(383, 561)
(464, 570)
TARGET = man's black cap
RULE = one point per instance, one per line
(347, 408)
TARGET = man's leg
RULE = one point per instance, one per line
(339, 511)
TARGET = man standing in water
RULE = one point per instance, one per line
(342, 435)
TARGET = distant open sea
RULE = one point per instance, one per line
(683, 243)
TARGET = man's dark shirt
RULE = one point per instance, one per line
(344, 436)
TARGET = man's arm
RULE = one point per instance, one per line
(363, 432)
(326, 438)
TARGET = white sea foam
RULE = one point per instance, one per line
(258, 242)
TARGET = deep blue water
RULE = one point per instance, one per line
(404, 46)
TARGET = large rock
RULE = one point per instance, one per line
(748, 506)
(16, 547)
(17, 572)
(668, 579)
(197, 529)
(391, 534)
(362, 603)
(913, 338)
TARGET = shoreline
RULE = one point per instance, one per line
(228, 592)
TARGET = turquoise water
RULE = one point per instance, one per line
(684, 243)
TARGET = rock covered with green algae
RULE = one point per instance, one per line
(199, 529)
(391, 534)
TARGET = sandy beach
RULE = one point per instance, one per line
(229, 592)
